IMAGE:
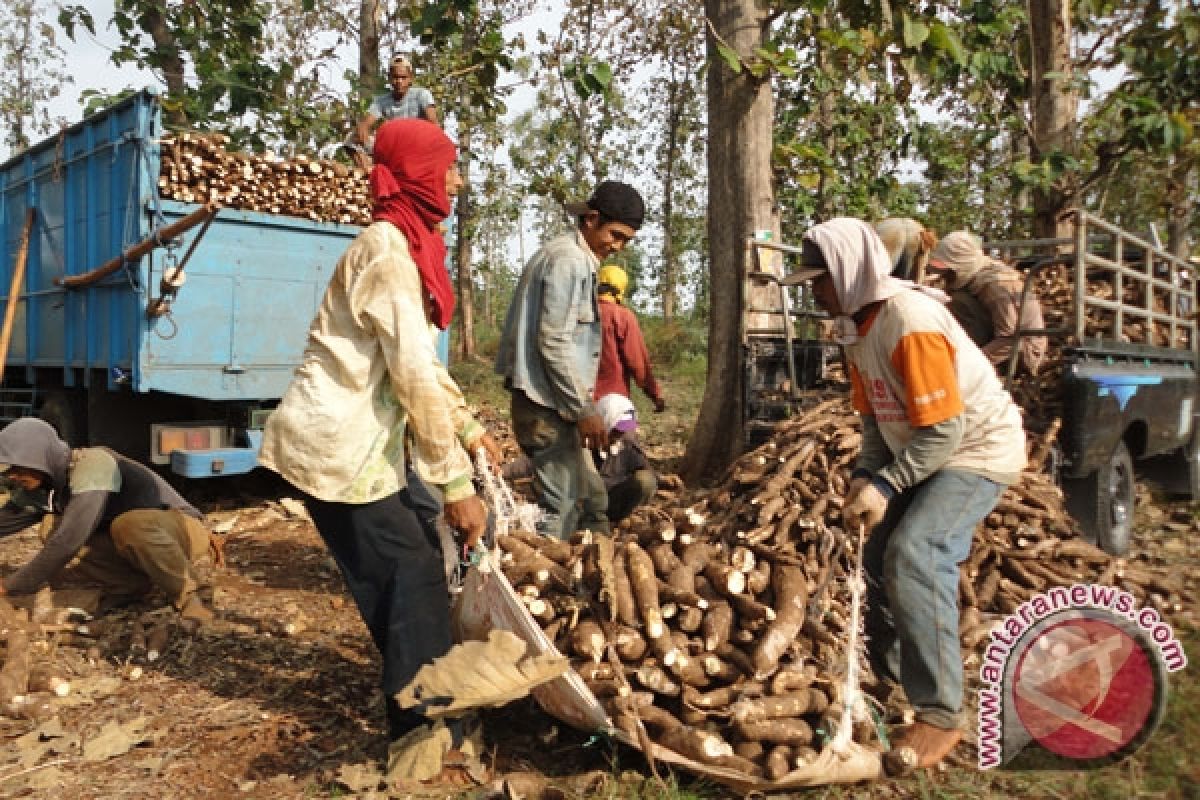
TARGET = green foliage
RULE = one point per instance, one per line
(222, 45)
(32, 71)
(674, 344)
(588, 77)
(466, 40)
(842, 122)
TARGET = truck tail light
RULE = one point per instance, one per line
(166, 439)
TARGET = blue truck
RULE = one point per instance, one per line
(180, 373)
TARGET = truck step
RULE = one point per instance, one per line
(16, 403)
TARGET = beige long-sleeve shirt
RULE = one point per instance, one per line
(370, 386)
(997, 288)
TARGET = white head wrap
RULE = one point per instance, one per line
(860, 268)
(962, 253)
(616, 410)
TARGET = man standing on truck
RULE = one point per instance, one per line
(941, 440)
(549, 353)
(371, 398)
(623, 353)
(404, 101)
(985, 297)
(130, 530)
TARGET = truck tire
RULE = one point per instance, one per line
(1191, 453)
(64, 411)
(1103, 502)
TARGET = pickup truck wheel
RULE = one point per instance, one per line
(1192, 454)
(1103, 502)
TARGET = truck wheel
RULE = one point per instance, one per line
(1192, 454)
(1103, 502)
(63, 411)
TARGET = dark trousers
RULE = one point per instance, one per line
(391, 558)
(630, 493)
(569, 489)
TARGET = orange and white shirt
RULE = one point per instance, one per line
(913, 366)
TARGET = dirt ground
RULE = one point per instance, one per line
(279, 698)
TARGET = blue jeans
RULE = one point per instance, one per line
(568, 488)
(911, 560)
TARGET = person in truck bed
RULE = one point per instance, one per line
(404, 101)
(985, 298)
(908, 243)
(125, 527)
(941, 441)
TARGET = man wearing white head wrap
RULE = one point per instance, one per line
(985, 297)
(623, 465)
(908, 243)
(941, 440)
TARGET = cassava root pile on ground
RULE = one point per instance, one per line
(716, 620)
(36, 630)
(197, 168)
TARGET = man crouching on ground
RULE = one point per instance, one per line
(130, 530)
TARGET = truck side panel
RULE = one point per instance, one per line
(88, 186)
(239, 325)
(1106, 398)
(237, 328)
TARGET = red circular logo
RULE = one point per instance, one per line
(1085, 689)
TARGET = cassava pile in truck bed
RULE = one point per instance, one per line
(196, 168)
(1039, 395)
(719, 618)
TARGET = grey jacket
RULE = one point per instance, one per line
(550, 348)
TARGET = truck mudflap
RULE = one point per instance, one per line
(218, 461)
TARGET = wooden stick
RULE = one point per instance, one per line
(14, 289)
(140, 249)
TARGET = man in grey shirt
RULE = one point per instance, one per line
(549, 353)
(405, 101)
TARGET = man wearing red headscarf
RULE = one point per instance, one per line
(372, 398)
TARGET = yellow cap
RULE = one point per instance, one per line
(615, 277)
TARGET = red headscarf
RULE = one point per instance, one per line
(408, 188)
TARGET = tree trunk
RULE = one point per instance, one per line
(1054, 104)
(825, 111)
(582, 151)
(669, 270)
(170, 61)
(741, 199)
(1181, 192)
(17, 139)
(370, 73)
(1018, 227)
(462, 252)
